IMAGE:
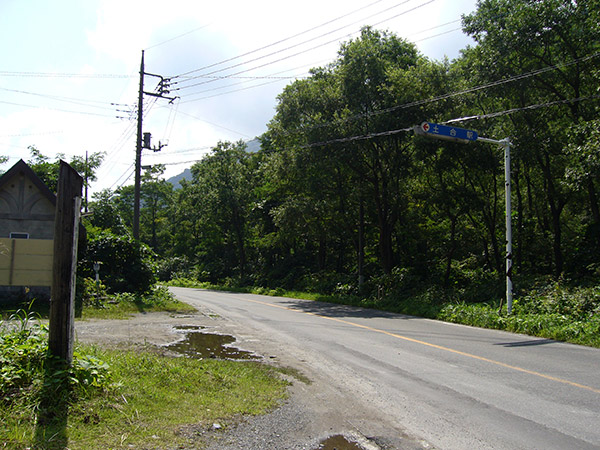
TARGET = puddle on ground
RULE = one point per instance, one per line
(338, 442)
(200, 345)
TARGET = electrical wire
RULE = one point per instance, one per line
(76, 101)
(177, 37)
(171, 120)
(278, 42)
(7, 73)
(131, 167)
(55, 109)
(230, 92)
(523, 108)
(462, 119)
(452, 94)
(294, 46)
(214, 124)
(273, 75)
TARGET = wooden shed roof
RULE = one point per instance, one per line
(22, 167)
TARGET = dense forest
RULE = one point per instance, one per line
(344, 198)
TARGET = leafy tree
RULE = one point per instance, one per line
(559, 40)
(126, 265)
(48, 171)
(156, 197)
(307, 185)
(365, 68)
(341, 183)
(105, 215)
(222, 193)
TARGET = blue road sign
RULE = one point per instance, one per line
(446, 132)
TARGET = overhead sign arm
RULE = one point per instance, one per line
(456, 134)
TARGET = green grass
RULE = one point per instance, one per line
(125, 308)
(158, 396)
(149, 401)
(117, 306)
(120, 398)
(554, 311)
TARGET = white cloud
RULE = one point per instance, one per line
(107, 36)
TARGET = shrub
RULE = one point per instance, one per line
(175, 267)
(26, 369)
(127, 265)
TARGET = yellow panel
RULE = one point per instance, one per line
(32, 278)
(34, 246)
(4, 276)
(5, 247)
(4, 262)
(32, 262)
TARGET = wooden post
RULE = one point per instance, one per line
(66, 233)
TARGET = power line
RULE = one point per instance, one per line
(6, 73)
(177, 37)
(273, 76)
(461, 119)
(213, 124)
(299, 44)
(76, 101)
(374, 135)
(229, 92)
(126, 179)
(436, 27)
(296, 77)
(453, 94)
(439, 34)
(523, 108)
(278, 42)
(56, 109)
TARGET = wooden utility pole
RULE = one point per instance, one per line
(66, 234)
(142, 142)
(138, 156)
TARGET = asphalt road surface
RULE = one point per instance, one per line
(450, 386)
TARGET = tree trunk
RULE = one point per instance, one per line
(451, 250)
(594, 208)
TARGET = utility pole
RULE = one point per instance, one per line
(143, 140)
(85, 183)
(138, 156)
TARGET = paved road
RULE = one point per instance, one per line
(453, 386)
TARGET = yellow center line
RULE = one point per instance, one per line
(439, 347)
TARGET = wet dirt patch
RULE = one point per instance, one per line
(199, 344)
(338, 442)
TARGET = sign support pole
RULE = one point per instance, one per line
(456, 134)
(505, 144)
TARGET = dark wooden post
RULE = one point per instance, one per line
(66, 233)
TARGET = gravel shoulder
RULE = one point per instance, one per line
(313, 412)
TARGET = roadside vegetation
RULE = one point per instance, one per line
(342, 190)
(122, 397)
(561, 311)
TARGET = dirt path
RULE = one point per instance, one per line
(314, 411)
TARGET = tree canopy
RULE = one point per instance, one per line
(343, 195)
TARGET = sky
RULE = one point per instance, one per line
(69, 69)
